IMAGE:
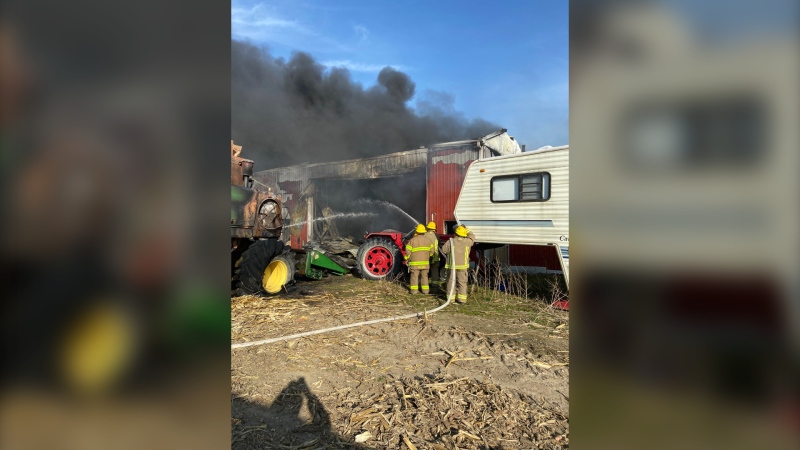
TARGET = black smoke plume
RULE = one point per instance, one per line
(296, 111)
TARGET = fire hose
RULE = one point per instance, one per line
(451, 282)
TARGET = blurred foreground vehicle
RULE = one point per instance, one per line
(113, 332)
(686, 260)
(95, 232)
(91, 254)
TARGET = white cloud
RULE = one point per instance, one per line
(362, 32)
(362, 67)
(257, 22)
(266, 22)
(262, 24)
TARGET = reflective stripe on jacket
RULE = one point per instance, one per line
(461, 246)
(418, 251)
(435, 241)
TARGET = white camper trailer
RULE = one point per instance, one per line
(519, 199)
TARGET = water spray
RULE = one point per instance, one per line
(334, 216)
(387, 205)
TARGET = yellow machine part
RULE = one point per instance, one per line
(98, 348)
(275, 276)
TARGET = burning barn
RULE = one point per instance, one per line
(393, 191)
(342, 200)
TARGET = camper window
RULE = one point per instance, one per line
(505, 189)
(528, 187)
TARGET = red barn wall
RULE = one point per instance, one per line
(446, 171)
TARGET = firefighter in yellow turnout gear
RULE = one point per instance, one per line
(419, 250)
(434, 270)
(461, 244)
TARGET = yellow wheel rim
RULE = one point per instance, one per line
(97, 348)
(275, 276)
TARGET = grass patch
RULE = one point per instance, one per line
(482, 301)
(535, 311)
(488, 302)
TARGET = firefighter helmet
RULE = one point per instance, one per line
(420, 229)
(461, 230)
(431, 226)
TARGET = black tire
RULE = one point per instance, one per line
(253, 263)
(371, 266)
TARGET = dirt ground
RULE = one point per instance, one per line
(492, 374)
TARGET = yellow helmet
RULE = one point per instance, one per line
(461, 230)
(431, 226)
(421, 229)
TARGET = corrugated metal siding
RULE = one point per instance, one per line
(475, 203)
(446, 170)
(392, 164)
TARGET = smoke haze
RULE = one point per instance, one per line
(295, 111)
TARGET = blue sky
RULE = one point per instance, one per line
(504, 62)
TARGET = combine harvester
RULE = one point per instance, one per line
(260, 262)
(520, 199)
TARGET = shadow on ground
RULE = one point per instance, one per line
(296, 419)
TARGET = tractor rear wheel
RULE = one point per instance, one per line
(379, 258)
(98, 347)
(279, 273)
(254, 272)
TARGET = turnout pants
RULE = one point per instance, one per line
(460, 294)
(434, 270)
(419, 280)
